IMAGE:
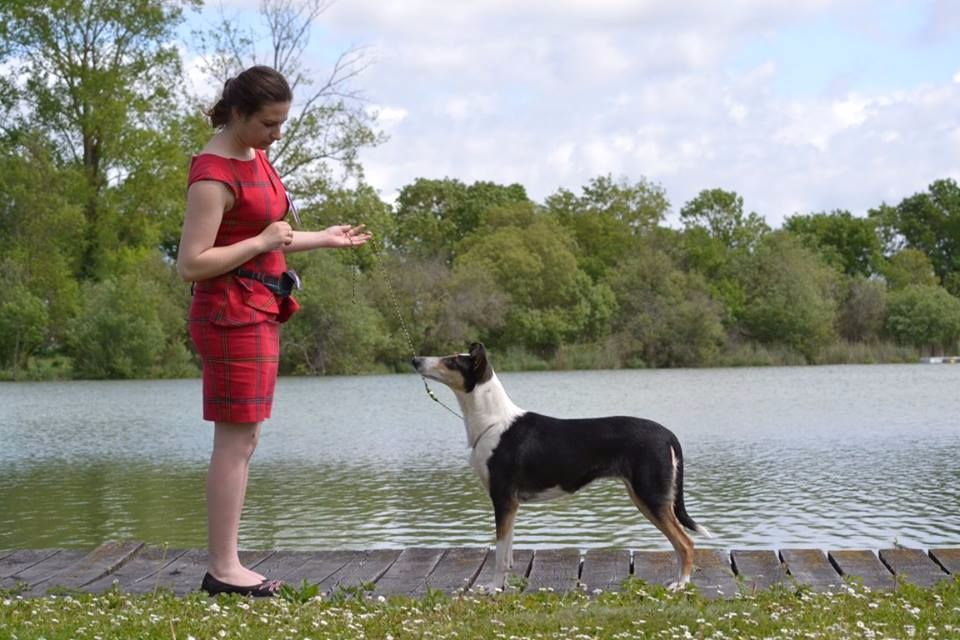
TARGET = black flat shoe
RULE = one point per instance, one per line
(266, 589)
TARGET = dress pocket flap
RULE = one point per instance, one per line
(245, 303)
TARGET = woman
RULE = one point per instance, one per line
(232, 247)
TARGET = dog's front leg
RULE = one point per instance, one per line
(504, 511)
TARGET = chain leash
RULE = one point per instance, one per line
(396, 307)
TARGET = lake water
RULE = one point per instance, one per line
(838, 457)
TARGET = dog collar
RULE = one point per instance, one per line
(482, 433)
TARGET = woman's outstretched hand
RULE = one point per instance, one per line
(347, 235)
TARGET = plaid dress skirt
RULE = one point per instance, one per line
(235, 327)
(239, 369)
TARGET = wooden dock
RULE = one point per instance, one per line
(136, 567)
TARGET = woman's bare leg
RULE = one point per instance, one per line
(233, 445)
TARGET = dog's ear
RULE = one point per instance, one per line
(481, 367)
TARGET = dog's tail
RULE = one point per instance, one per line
(678, 507)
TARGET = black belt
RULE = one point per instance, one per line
(282, 286)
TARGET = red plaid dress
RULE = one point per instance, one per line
(235, 322)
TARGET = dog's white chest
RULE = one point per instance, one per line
(480, 456)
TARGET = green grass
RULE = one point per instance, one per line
(640, 611)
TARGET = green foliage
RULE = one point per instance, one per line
(718, 241)
(665, 317)
(97, 79)
(849, 244)
(607, 219)
(128, 327)
(301, 594)
(433, 216)
(720, 213)
(909, 267)
(929, 222)
(23, 327)
(334, 332)
(924, 316)
(791, 296)
(535, 263)
(863, 310)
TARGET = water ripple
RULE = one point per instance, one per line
(839, 457)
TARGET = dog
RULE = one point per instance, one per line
(523, 456)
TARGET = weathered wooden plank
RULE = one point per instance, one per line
(98, 563)
(758, 569)
(949, 559)
(913, 565)
(134, 575)
(38, 575)
(712, 573)
(22, 559)
(554, 569)
(811, 568)
(456, 570)
(655, 567)
(281, 563)
(864, 566)
(6, 552)
(605, 569)
(408, 574)
(185, 574)
(315, 567)
(362, 568)
(522, 559)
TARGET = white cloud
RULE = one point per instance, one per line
(389, 117)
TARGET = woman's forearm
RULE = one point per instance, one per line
(307, 240)
(216, 261)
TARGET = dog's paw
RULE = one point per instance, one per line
(491, 588)
(677, 585)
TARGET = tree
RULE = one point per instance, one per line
(665, 317)
(791, 296)
(850, 244)
(608, 218)
(434, 216)
(929, 222)
(40, 225)
(717, 242)
(909, 267)
(23, 327)
(97, 77)
(552, 300)
(337, 330)
(863, 310)
(127, 328)
(924, 316)
(720, 214)
(329, 122)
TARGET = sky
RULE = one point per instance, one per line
(799, 106)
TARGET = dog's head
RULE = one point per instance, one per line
(461, 372)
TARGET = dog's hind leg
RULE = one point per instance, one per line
(504, 510)
(682, 544)
(664, 519)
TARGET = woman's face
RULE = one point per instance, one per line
(261, 129)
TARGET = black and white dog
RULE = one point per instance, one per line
(523, 456)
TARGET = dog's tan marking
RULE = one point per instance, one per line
(668, 524)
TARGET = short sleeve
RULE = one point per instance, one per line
(212, 167)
